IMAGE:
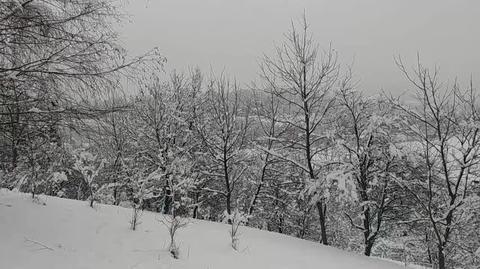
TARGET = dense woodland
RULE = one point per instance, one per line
(303, 151)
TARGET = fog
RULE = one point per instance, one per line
(232, 35)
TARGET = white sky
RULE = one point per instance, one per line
(233, 34)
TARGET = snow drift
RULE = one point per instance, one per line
(61, 233)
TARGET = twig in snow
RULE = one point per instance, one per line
(38, 244)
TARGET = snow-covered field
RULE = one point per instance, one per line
(67, 234)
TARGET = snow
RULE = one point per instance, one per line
(16, 4)
(12, 75)
(34, 110)
(69, 234)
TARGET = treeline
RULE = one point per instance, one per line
(301, 152)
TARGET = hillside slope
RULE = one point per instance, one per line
(69, 234)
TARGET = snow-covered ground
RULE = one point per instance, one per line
(68, 234)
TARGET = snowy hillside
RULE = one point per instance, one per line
(69, 234)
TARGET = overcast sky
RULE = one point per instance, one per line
(233, 34)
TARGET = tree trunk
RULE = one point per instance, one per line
(322, 208)
(280, 225)
(368, 247)
(260, 185)
(195, 209)
(195, 212)
(254, 200)
(14, 155)
(228, 192)
(366, 232)
(229, 205)
(116, 199)
(441, 257)
(168, 201)
(92, 196)
(79, 191)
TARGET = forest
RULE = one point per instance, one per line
(303, 151)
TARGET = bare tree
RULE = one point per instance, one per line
(366, 133)
(51, 65)
(164, 132)
(236, 219)
(110, 133)
(302, 77)
(89, 166)
(173, 224)
(267, 113)
(223, 131)
(444, 125)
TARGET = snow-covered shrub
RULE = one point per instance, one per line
(56, 181)
(136, 215)
(89, 166)
(235, 219)
(173, 224)
(141, 190)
